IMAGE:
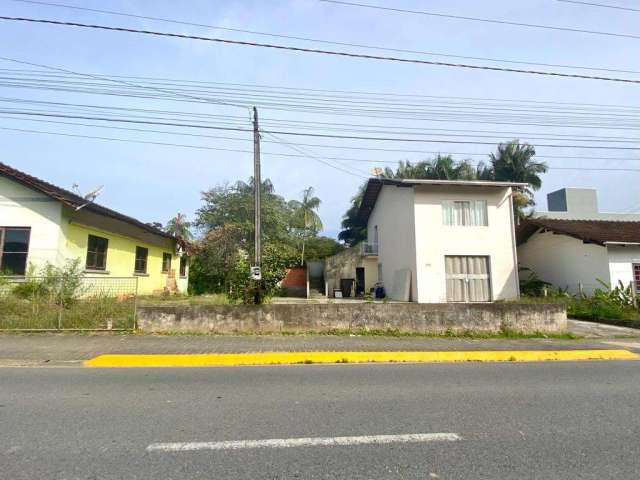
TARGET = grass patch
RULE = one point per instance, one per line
(596, 309)
(86, 313)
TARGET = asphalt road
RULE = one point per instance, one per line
(520, 421)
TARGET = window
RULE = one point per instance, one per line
(636, 277)
(183, 266)
(97, 253)
(467, 279)
(166, 262)
(470, 213)
(14, 248)
(141, 260)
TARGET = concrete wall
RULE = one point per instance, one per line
(434, 240)
(565, 261)
(23, 207)
(403, 317)
(621, 260)
(393, 215)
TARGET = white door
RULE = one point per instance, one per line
(467, 278)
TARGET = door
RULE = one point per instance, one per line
(467, 278)
(359, 281)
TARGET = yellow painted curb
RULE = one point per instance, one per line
(271, 358)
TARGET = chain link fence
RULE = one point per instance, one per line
(68, 303)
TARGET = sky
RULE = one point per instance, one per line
(152, 182)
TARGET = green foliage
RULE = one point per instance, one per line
(60, 284)
(179, 227)
(228, 205)
(354, 230)
(322, 247)
(531, 285)
(606, 304)
(276, 258)
(512, 162)
(223, 255)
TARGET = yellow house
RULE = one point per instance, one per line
(43, 224)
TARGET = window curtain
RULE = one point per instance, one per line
(479, 213)
(467, 279)
(465, 213)
(447, 213)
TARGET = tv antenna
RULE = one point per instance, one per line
(91, 197)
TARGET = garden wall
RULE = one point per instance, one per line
(402, 317)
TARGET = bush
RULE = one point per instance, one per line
(606, 304)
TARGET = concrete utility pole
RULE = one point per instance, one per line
(256, 269)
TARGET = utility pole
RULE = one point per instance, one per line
(256, 269)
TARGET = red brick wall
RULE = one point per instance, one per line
(296, 277)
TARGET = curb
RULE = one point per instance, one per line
(288, 358)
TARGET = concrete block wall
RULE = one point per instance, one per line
(403, 317)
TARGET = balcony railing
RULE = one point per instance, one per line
(369, 249)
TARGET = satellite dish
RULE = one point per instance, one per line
(91, 197)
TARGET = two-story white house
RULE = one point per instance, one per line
(442, 240)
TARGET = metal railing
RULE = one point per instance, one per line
(68, 303)
(369, 249)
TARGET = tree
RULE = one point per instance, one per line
(306, 218)
(322, 247)
(514, 162)
(233, 204)
(179, 227)
(354, 230)
(226, 220)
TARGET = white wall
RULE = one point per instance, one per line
(393, 214)
(621, 260)
(565, 261)
(434, 240)
(23, 207)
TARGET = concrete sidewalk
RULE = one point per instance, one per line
(68, 348)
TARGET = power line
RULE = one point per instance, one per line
(304, 134)
(342, 93)
(277, 140)
(318, 51)
(99, 77)
(486, 20)
(317, 125)
(317, 145)
(316, 40)
(297, 149)
(590, 4)
(303, 100)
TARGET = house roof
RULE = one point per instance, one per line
(591, 231)
(71, 199)
(375, 185)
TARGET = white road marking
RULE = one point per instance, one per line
(304, 442)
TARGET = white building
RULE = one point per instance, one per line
(442, 240)
(574, 246)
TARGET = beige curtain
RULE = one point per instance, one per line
(467, 279)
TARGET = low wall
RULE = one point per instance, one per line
(403, 317)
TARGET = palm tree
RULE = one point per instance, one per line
(307, 217)
(514, 162)
(179, 227)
